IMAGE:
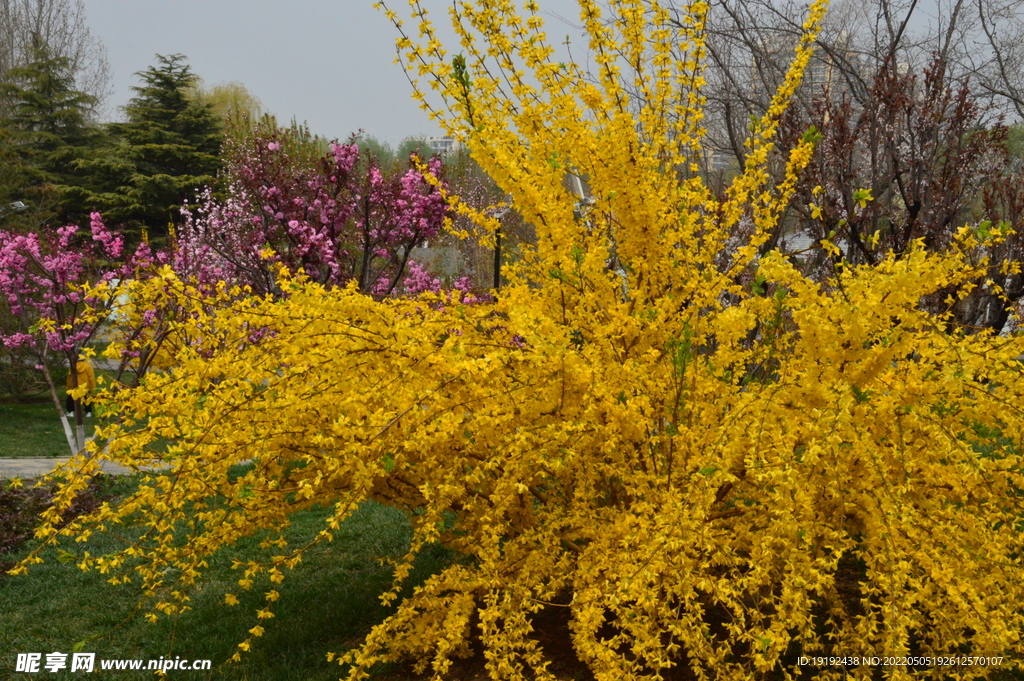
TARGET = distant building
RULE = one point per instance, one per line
(719, 160)
(442, 145)
(446, 261)
(822, 74)
(578, 185)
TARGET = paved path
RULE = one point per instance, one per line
(33, 467)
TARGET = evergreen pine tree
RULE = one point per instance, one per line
(14, 183)
(44, 135)
(166, 150)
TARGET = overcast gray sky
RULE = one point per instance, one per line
(327, 62)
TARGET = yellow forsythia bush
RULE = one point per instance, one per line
(707, 474)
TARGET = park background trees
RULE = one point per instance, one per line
(165, 152)
(60, 166)
(46, 134)
(915, 108)
(341, 214)
(61, 26)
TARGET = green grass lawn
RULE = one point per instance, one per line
(33, 429)
(327, 605)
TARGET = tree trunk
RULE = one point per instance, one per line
(79, 414)
(60, 408)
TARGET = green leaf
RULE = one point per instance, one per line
(708, 471)
(460, 72)
(577, 255)
(757, 288)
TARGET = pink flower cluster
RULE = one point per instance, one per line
(40, 278)
(419, 280)
(213, 246)
(338, 218)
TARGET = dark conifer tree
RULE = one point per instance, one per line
(45, 134)
(166, 150)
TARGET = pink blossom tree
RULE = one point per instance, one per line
(339, 217)
(43, 278)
